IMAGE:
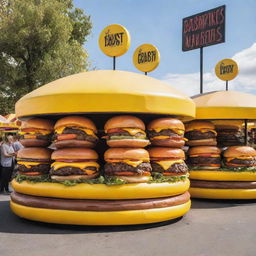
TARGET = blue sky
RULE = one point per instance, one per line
(160, 22)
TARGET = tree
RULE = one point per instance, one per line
(40, 41)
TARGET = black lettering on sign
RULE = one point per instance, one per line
(226, 69)
(113, 40)
(204, 29)
(149, 56)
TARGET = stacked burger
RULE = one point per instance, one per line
(126, 161)
(166, 156)
(34, 160)
(74, 160)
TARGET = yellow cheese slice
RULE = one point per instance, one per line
(59, 130)
(132, 163)
(168, 163)
(81, 165)
(178, 131)
(132, 131)
(204, 156)
(43, 132)
(203, 130)
(162, 137)
(29, 164)
(240, 157)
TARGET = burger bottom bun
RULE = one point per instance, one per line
(168, 143)
(128, 143)
(223, 184)
(218, 193)
(126, 217)
(34, 143)
(206, 142)
(75, 177)
(135, 179)
(73, 144)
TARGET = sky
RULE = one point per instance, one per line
(159, 22)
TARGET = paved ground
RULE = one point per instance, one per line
(210, 228)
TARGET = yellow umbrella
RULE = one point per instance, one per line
(105, 91)
(225, 105)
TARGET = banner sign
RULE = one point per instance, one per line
(204, 29)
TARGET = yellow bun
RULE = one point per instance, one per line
(205, 142)
(166, 123)
(102, 191)
(204, 150)
(126, 153)
(131, 143)
(222, 175)
(211, 193)
(77, 121)
(238, 151)
(124, 122)
(198, 124)
(130, 217)
(37, 123)
(74, 153)
(34, 153)
(158, 152)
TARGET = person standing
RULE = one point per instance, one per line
(7, 162)
(16, 143)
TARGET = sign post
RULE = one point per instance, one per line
(146, 58)
(226, 70)
(114, 41)
(201, 30)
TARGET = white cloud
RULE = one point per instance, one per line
(245, 81)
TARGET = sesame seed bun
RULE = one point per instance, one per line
(37, 123)
(77, 121)
(34, 153)
(124, 121)
(198, 124)
(166, 123)
(75, 153)
(158, 152)
(126, 153)
(238, 151)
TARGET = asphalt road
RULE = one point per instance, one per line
(210, 228)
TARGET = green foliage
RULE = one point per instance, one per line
(41, 41)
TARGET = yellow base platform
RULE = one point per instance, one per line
(132, 217)
(101, 191)
(210, 193)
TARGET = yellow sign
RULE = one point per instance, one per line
(146, 58)
(114, 40)
(226, 69)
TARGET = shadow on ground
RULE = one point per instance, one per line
(214, 203)
(10, 223)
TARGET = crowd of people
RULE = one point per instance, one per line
(9, 145)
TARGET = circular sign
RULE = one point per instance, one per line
(146, 58)
(114, 40)
(226, 69)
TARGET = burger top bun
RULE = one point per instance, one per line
(159, 152)
(77, 121)
(37, 123)
(197, 125)
(166, 123)
(75, 153)
(238, 151)
(228, 124)
(126, 153)
(34, 153)
(124, 121)
(204, 150)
